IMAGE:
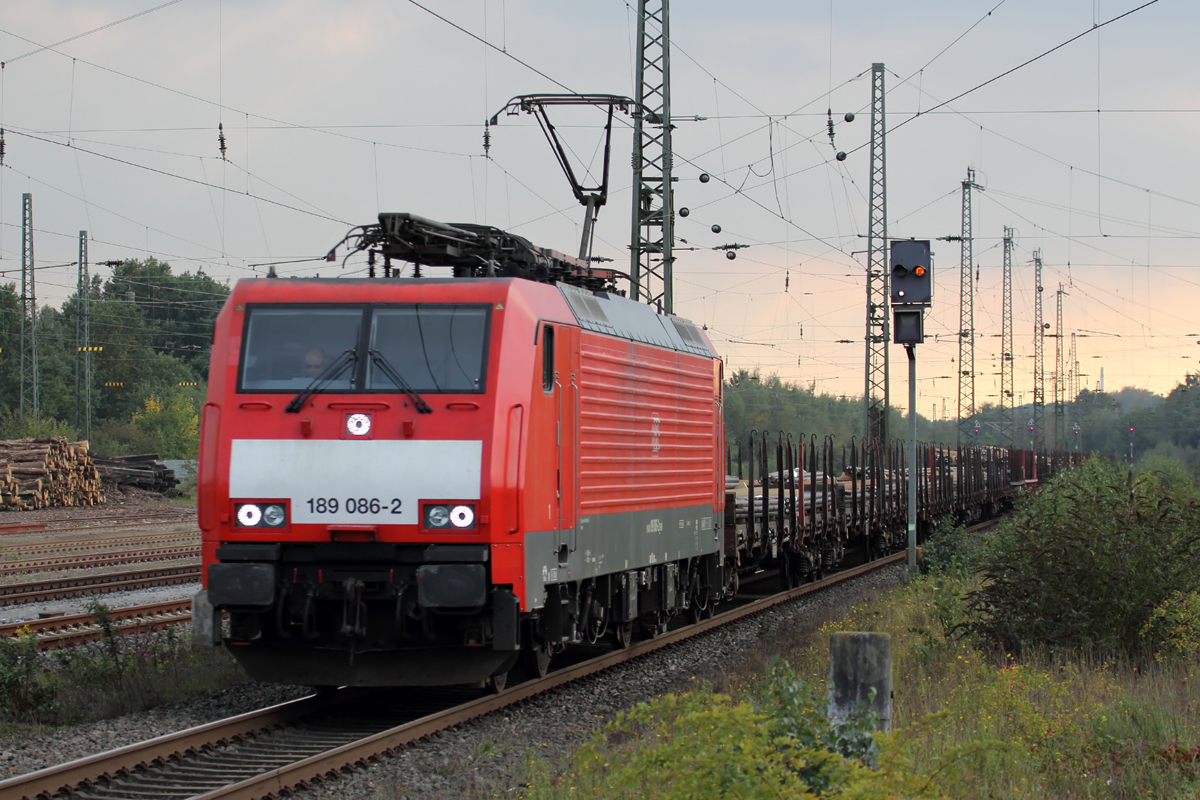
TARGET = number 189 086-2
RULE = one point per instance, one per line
(353, 505)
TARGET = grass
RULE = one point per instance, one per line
(115, 676)
(968, 723)
(1075, 725)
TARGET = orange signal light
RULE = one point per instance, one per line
(919, 271)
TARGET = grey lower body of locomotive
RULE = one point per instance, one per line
(613, 549)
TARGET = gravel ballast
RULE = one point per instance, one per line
(488, 755)
(29, 753)
(77, 605)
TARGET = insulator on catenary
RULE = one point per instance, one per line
(221, 139)
(487, 139)
(1, 146)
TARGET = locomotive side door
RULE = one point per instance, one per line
(554, 476)
(568, 463)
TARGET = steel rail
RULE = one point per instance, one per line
(17, 529)
(278, 781)
(53, 632)
(63, 588)
(90, 560)
(99, 543)
(103, 512)
(89, 771)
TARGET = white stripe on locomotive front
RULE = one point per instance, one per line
(383, 470)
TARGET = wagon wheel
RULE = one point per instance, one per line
(537, 655)
(496, 683)
(623, 634)
(787, 571)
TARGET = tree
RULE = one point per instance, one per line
(171, 423)
(178, 310)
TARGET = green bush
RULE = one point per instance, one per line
(1173, 630)
(15, 426)
(1084, 562)
(172, 422)
(115, 438)
(701, 744)
(113, 676)
(948, 550)
(24, 693)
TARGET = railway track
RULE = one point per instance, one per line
(12, 594)
(106, 521)
(89, 560)
(99, 543)
(75, 629)
(273, 750)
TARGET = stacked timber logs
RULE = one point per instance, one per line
(144, 472)
(37, 473)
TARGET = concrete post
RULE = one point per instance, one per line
(206, 622)
(859, 662)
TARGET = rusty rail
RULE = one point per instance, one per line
(55, 632)
(90, 560)
(274, 782)
(63, 588)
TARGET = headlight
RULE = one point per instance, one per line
(462, 516)
(249, 515)
(358, 424)
(274, 516)
(437, 516)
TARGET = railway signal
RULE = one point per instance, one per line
(911, 292)
(912, 275)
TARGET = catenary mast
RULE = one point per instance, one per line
(876, 397)
(653, 211)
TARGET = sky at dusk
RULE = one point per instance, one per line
(335, 111)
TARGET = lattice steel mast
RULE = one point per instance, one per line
(29, 362)
(876, 398)
(83, 355)
(1039, 367)
(1060, 420)
(1072, 375)
(966, 321)
(651, 260)
(1008, 422)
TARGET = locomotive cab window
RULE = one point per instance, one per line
(285, 348)
(434, 348)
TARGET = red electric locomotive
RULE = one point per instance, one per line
(411, 481)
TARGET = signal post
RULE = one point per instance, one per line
(912, 293)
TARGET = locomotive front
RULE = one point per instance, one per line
(343, 491)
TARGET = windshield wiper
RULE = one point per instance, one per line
(395, 377)
(335, 369)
